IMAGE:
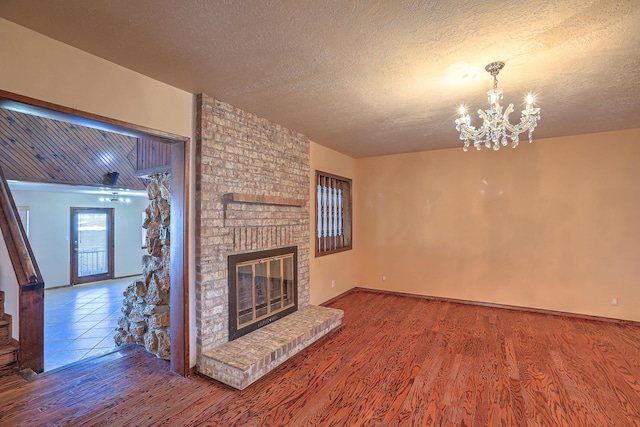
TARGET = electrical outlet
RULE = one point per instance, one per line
(333, 283)
(614, 301)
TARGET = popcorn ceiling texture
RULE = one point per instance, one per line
(373, 77)
(239, 152)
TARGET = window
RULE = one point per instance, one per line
(333, 213)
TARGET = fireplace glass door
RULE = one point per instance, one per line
(265, 290)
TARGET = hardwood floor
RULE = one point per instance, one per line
(396, 361)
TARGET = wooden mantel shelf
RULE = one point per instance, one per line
(258, 200)
(261, 200)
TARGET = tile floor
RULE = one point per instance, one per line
(80, 321)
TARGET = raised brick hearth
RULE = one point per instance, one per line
(243, 361)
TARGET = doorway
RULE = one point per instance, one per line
(179, 230)
(91, 245)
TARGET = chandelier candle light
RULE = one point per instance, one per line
(496, 127)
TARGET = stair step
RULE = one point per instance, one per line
(7, 349)
(5, 332)
(8, 356)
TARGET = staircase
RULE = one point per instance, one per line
(8, 346)
(30, 308)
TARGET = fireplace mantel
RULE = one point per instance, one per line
(261, 199)
(258, 199)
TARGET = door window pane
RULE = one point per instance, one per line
(92, 244)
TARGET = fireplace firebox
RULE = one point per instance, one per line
(263, 288)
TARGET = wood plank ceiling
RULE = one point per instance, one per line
(37, 149)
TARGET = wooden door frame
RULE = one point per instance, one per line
(180, 200)
(74, 279)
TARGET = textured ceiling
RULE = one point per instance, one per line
(370, 77)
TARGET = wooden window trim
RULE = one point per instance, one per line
(347, 208)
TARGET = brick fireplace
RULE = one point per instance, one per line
(252, 194)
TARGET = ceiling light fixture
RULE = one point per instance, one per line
(114, 198)
(496, 127)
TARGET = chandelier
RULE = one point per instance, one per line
(496, 128)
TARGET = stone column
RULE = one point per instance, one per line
(145, 307)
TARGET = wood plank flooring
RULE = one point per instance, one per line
(397, 361)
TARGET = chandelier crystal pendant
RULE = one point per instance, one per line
(496, 128)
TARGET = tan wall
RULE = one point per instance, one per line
(551, 225)
(339, 267)
(40, 67)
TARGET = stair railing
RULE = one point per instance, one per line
(30, 281)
